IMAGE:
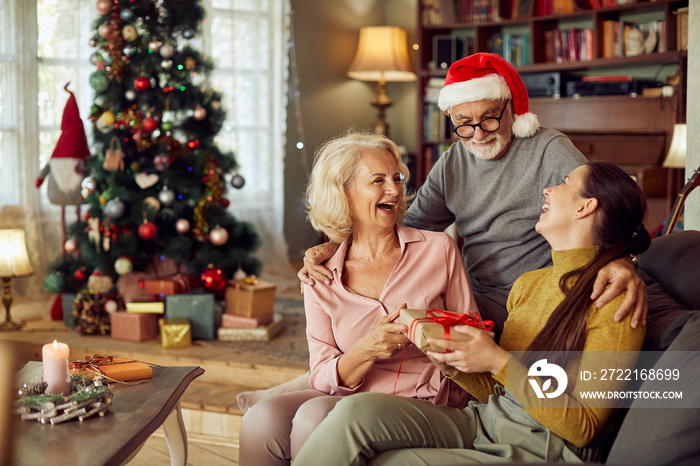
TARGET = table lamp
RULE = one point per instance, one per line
(676, 152)
(381, 56)
(675, 158)
(14, 262)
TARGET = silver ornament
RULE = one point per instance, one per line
(166, 196)
(123, 266)
(166, 50)
(114, 208)
(237, 181)
(87, 186)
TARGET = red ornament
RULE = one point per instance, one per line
(149, 124)
(142, 83)
(213, 280)
(148, 230)
(193, 144)
(79, 275)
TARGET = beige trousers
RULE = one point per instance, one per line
(274, 429)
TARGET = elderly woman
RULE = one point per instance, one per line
(357, 196)
(593, 217)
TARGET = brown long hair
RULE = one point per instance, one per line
(618, 232)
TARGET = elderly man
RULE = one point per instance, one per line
(490, 185)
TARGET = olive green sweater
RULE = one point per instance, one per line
(533, 298)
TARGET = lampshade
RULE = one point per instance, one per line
(382, 55)
(676, 153)
(14, 260)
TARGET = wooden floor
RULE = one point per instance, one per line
(155, 453)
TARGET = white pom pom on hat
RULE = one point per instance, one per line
(487, 76)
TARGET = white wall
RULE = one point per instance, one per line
(326, 36)
(692, 206)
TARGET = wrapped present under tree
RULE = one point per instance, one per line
(175, 333)
(250, 297)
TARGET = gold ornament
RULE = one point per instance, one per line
(190, 63)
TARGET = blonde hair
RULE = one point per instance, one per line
(334, 169)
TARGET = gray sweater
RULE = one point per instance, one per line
(496, 205)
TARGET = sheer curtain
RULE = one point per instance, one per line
(248, 40)
(44, 45)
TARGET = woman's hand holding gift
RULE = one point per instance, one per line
(479, 354)
(385, 338)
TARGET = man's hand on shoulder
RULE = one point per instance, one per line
(313, 269)
(622, 276)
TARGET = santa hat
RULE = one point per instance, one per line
(71, 147)
(72, 143)
(487, 76)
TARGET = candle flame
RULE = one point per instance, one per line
(55, 345)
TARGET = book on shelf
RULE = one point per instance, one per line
(606, 79)
(514, 48)
(682, 28)
(661, 46)
(448, 11)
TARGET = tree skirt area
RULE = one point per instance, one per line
(289, 345)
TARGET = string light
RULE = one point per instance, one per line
(296, 101)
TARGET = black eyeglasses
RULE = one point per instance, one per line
(487, 125)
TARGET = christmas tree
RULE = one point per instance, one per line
(155, 182)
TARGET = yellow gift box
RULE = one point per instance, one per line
(434, 323)
(250, 297)
(175, 333)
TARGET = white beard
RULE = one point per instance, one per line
(489, 152)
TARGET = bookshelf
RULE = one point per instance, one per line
(526, 30)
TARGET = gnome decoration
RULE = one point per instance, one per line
(71, 148)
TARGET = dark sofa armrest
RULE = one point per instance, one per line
(674, 262)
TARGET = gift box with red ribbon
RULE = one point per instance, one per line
(113, 369)
(180, 283)
(434, 323)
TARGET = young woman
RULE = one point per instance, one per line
(593, 217)
(357, 196)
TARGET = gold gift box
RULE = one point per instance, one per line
(155, 307)
(175, 333)
(250, 297)
(421, 328)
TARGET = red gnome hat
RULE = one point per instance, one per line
(487, 76)
(72, 144)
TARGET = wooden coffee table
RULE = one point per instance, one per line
(137, 411)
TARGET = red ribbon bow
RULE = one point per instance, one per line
(90, 361)
(448, 319)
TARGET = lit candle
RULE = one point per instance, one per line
(55, 365)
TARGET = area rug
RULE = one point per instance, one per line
(289, 345)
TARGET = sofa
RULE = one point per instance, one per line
(652, 436)
(658, 436)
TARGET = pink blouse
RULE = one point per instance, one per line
(428, 274)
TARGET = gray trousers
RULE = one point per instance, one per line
(381, 429)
